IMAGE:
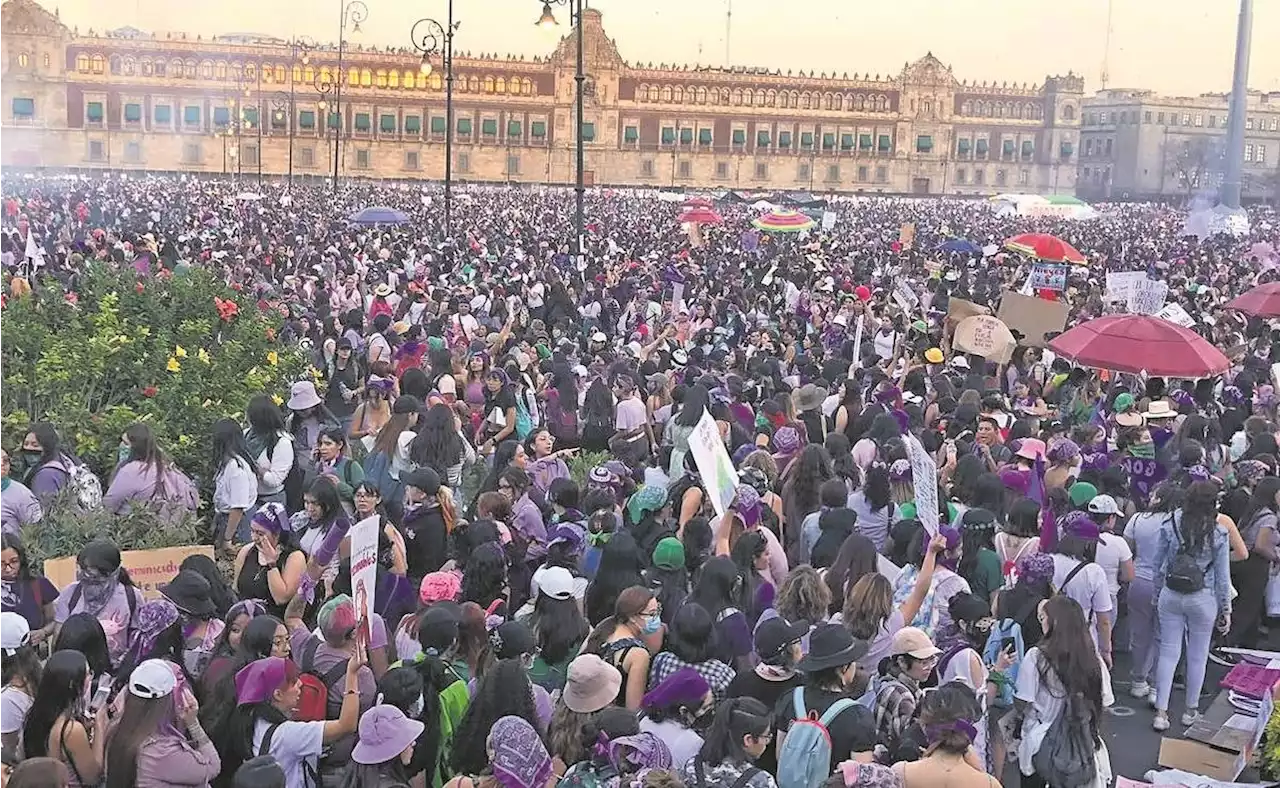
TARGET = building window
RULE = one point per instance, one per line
(1248, 153)
(762, 139)
(387, 124)
(828, 141)
(962, 176)
(133, 152)
(980, 148)
(411, 160)
(513, 160)
(306, 157)
(646, 168)
(438, 125)
(722, 170)
(686, 135)
(251, 155)
(979, 177)
(862, 173)
(514, 130)
(588, 132)
(1146, 116)
(704, 137)
(464, 162)
(739, 137)
(1001, 176)
(93, 112)
(538, 129)
(413, 124)
(163, 114)
(1260, 154)
(1213, 121)
(924, 143)
(1248, 124)
(1186, 118)
(363, 121)
(464, 127)
(683, 169)
(97, 151)
(191, 116)
(23, 108)
(762, 171)
(803, 171)
(1028, 149)
(362, 158)
(307, 119)
(668, 135)
(191, 153)
(833, 172)
(1160, 118)
(806, 140)
(882, 174)
(132, 113)
(885, 143)
(1068, 112)
(1109, 142)
(1024, 177)
(631, 134)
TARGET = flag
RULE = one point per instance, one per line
(1048, 523)
(1096, 419)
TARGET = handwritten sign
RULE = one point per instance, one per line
(924, 477)
(1144, 475)
(364, 565)
(714, 466)
(1148, 297)
(905, 297)
(1048, 276)
(1174, 313)
(985, 336)
(907, 235)
(828, 220)
(149, 569)
(1120, 285)
(1032, 317)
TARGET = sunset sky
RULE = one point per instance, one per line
(1181, 47)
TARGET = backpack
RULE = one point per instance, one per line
(377, 471)
(1005, 629)
(310, 779)
(524, 422)
(87, 485)
(1066, 758)
(562, 423)
(1185, 576)
(804, 761)
(743, 780)
(315, 705)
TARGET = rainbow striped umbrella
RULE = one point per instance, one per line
(782, 221)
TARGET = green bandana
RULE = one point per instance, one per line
(1146, 451)
(599, 540)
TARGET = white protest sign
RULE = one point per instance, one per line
(1174, 313)
(677, 296)
(715, 467)
(857, 344)
(1120, 284)
(828, 219)
(924, 477)
(364, 566)
(905, 296)
(1147, 297)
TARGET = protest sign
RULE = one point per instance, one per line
(714, 466)
(749, 239)
(828, 220)
(958, 309)
(1174, 313)
(857, 344)
(1148, 296)
(1032, 317)
(1120, 285)
(1048, 276)
(905, 297)
(985, 336)
(677, 296)
(149, 569)
(907, 235)
(364, 566)
(924, 478)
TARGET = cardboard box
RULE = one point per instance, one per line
(1197, 758)
(1220, 744)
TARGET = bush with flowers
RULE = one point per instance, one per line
(175, 351)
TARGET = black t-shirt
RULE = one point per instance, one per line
(749, 684)
(843, 728)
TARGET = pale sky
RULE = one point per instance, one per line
(1178, 47)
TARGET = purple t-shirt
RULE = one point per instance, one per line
(27, 599)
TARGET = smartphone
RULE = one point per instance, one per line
(1010, 645)
(100, 696)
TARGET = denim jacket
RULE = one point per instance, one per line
(1212, 556)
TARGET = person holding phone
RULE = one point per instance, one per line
(158, 740)
(962, 647)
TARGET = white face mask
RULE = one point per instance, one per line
(415, 710)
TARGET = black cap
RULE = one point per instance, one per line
(424, 478)
(773, 635)
(406, 403)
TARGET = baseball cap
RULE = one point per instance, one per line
(384, 733)
(913, 642)
(152, 679)
(1104, 504)
(960, 362)
(555, 582)
(669, 553)
(15, 632)
(773, 635)
(1082, 493)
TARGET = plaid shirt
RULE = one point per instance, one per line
(895, 709)
(717, 674)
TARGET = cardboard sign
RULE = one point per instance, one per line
(1174, 313)
(907, 235)
(714, 466)
(149, 569)
(905, 297)
(1120, 285)
(1148, 297)
(985, 336)
(828, 220)
(1048, 276)
(364, 565)
(958, 309)
(1032, 317)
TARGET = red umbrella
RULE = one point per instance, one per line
(700, 215)
(1261, 301)
(697, 202)
(1140, 343)
(1049, 248)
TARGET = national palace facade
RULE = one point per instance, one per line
(133, 100)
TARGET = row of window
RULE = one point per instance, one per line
(1198, 119)
(671, 136)
(748, 97)
(279, 73)
(1018, 110)
(979, 177)
(1009, 149)
(24, 60)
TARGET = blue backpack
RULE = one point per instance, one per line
(1005, 629)
(377, 471)
(804, 761)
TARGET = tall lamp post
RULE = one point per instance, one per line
(299, 49)
(324, 88)
(355, 12)
(431, 38)
(548, 20)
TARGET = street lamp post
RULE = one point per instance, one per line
(547, 20)
(281, 103)
(355, 12)
(324, 88)
(431, 38)
(299, 49)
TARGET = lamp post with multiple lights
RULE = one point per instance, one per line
(431, 38)
(355, 12)
(548, 20)
(323, 88)
(299, 49)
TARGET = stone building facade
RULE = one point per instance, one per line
(1138, 144)
(129, 100)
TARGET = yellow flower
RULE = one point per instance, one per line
(277, 399)
(173, 365)
(122, 339)
(179, 351)
(203, 355)
(273, 358)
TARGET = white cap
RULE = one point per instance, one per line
(152, 679)
(554, 581)
(960, 362)
(599, 337)
(1104, 504)
(15, 632)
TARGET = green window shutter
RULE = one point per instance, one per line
(962, 147)
(307, 119)
(538, 128)
(704, 136)
(251, 116)
(489, 127)
(363, 121)
(221, 115)
(588, 132)
(885, 143)
(980, 147)
(93, 112)
(864, 141)
(784, 139)
(1007, 147)
(806, 139)
(335, 120)
(164, 114)
(828, 140)
(630, 134)
(387, 122)
(762, 139)
(1066, 149)
(191, 115)
(438, 125)
(924, 143)
(413, 124)
(739, 137)
(25, 107)
(1027, 149)
(686, 136)
(513, 128)
(846, 142)
(668, 135)
(464, 125)
(132, 113)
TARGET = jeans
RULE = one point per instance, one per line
(1144, 629)
(1192, 616)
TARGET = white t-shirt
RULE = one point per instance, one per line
(236, 487)
(1088, 588)
(1113, 550)
(14, 705)
(292, 745)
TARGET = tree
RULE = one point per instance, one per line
(1195, 163)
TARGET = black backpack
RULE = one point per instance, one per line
(1185, 576)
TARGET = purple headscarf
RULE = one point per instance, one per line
(520, 760)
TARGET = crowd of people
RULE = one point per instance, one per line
(620, 624)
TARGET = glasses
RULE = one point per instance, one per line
(365, 494)
(283, 640)
(310, 502)
(11, 562)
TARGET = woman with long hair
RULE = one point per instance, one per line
(619, 569)
(23, 593)
(444, 690)
(159, 636)
(801, 486)
(678, 430)
(499, 411)
(21, 668)
(1258, 527)
(59, 725)
(158, 740)
(1062, 674)
(270, 446)
(321, 530)
(232, 649)
(389, 458)
(484, 580)
(146, 475)
(979, 565)
(856, 559)
(952, 725)
(598, 417)
(1144, 531)
(515, 758)
(503, 691)
(722, 589)
(558, 627)
(333, 461)
(271, 566)
(1018, 537)
(235, 483)
(45, 464)
(691, 643)
(509, 453)
(103, 588)
(804, 596)
(441, 446)
(373, 412)
(620, 640)
(83, 633)
(1193, 576)
(869, 613)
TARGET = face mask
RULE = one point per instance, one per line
(651, 624)
(123, 453)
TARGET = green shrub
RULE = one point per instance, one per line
(580, 466)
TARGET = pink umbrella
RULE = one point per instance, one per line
(700, 215)
(1140, 343)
